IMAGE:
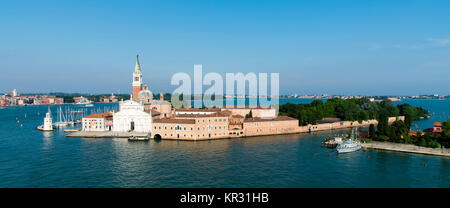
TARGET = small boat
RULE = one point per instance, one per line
(71, 130)
(89, 105)
(351, 145)
(138, 138)
(332, 142)
(83, 101)
(348, 146)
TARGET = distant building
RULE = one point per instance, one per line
(279, 125)
(110, 99)
(192, 126)
(4, 101)
(162, 107)
(97, 122)
(437, 128)
(14, 93)
(328, 120)
(414, 133)
(262, 112)
(236, 125)
(393, 99)
(50, 100)
(202, 111)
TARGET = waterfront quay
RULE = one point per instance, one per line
(161, 120)
(104, 134)
(410, 148)
(247, 128)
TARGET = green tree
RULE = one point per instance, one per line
(249, 115)
(422, 142)
(393, 135)
(351, 110)
(372, 132)
(383, 125)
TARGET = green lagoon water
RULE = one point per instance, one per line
(30, 158)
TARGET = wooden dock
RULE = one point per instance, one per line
(390, 146)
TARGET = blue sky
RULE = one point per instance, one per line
(334, 47)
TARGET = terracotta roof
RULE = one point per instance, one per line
(198, 109)
(279, 118)
(154, 112)
(218, 114)
(413, 133)
(237, 116)
(175, 121)
(437, 124)
(100, 115)
(329, 120)
(245, 107)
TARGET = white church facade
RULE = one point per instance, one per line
(132, 117)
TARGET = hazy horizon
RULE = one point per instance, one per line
(318, 47)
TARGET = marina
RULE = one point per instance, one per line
(68, 117)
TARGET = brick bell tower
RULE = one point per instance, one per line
(137, 79)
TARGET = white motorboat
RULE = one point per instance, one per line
(351, 145)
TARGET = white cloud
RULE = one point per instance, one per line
(430, 43)
(439, 41)
(410, 46)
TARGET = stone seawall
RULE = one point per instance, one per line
(104, 134)
(342, 125)
(299, 129)
(406, 148)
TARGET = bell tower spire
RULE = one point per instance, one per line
(138, 66)
(137, 79)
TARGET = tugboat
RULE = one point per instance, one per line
(351, 145)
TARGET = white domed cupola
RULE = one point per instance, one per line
(145, 95)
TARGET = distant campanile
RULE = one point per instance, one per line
(137, 79)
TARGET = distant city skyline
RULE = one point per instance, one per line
(337, 48)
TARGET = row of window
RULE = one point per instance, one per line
(94, 127)
(215, 120)
(272, 130)
(198, 135)
(198, 128)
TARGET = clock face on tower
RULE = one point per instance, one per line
(136, 79)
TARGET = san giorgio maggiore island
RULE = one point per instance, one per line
(142, 116)
(240, 146)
